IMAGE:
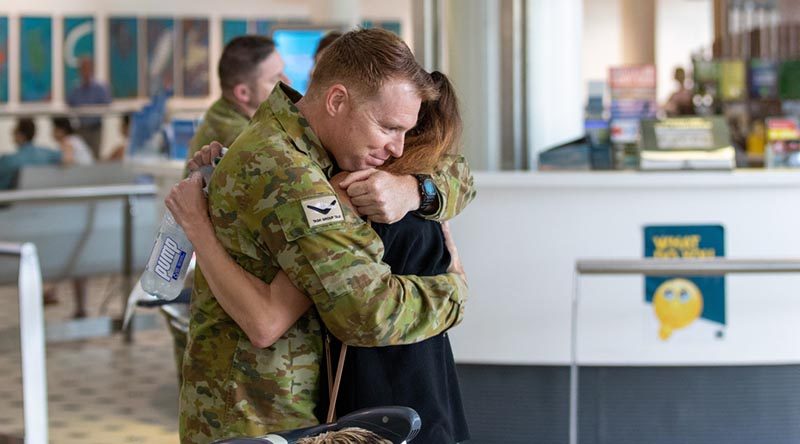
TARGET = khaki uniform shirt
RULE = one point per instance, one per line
(222, 122)
(273, 208)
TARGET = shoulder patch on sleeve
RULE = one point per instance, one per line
(322, 210)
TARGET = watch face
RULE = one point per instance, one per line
(429, 187)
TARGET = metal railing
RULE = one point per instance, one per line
(653, 267)
(32, 342)
(125, 192)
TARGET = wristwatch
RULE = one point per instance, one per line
(428, 194)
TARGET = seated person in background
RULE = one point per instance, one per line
(124, 130)
(27, 154)
(350, 435)
(74, 149)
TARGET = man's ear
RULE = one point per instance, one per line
(337, 98)
(241, 92)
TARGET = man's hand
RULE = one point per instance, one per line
(205, 156)
(189, 206)
(455, 259)
(382, 197)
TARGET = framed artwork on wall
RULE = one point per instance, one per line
(123, 56)
(78, 44)
(160, 73)
(36, 59)
(194, 57)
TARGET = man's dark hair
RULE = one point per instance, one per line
(326, 41)
(26, 128)
(63, 124)
(241, 57)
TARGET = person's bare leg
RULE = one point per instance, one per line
(79, 286)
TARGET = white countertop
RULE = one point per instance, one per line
(754, 178)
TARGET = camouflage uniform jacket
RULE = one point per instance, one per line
(273, 208)
(222, 122)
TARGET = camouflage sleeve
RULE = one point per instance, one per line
(454, 182)
(335, 258)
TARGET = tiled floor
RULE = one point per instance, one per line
(100, 390)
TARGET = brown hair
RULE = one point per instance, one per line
(241, 58)
(326, 41)
(364, 59)
(350, 435)
(438, 131)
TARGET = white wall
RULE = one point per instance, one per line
(682, 27)
(555, 103)
(602, 40)
(213, 9)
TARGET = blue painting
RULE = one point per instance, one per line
(3, 59)
(195, 57)
(160, 55)
(36, 59)
(123, 56)
(232, 29)
(78, 44)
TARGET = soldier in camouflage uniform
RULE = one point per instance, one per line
(249, 69)
(273, 208)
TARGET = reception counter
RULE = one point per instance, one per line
(520, 238)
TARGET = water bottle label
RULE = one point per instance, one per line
(169, 252)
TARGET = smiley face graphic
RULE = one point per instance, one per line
(677, 303)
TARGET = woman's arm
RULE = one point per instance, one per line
(67, 153)
(263, 311)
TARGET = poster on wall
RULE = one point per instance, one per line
(685, 309)
(195, 58)
(232, 28)
(3, 59)
(36, 61)
(160, 74)
(78, 45)
(123, 56)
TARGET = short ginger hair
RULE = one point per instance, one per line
(364, 59)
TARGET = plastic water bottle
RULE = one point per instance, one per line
(166, 269)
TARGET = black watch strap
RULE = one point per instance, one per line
(428, 194)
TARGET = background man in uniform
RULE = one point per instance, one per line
(249, 69)
(273, 208)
